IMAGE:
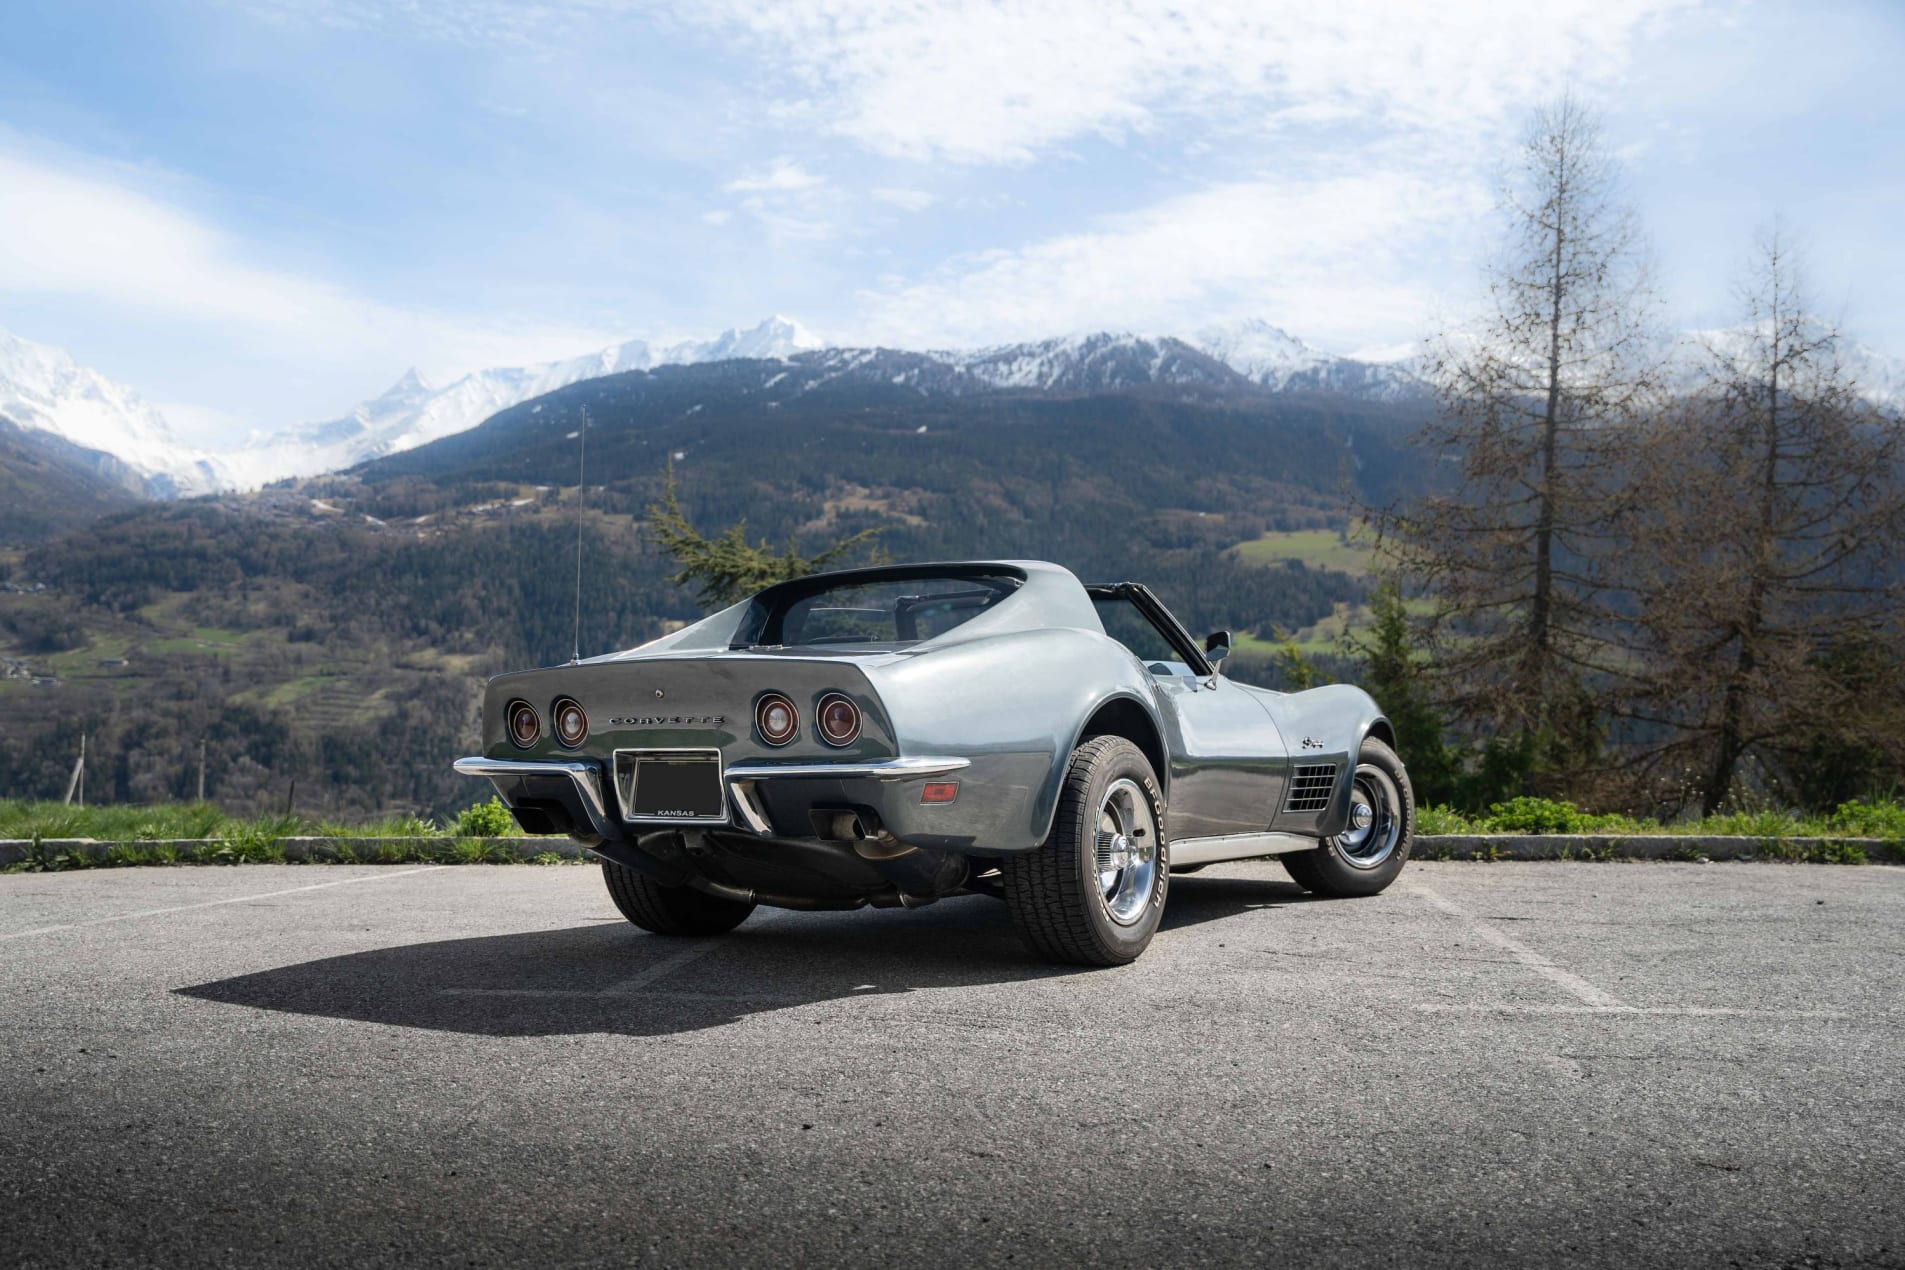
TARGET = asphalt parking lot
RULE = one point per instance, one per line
(1643, 1064)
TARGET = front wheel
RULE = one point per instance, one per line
(1366, 857)
(1093, 894)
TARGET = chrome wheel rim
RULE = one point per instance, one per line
(1375, 819)
(1126, 851)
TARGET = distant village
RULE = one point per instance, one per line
(20, 668)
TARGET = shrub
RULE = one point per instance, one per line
(257, 841)
(1870, 820)
(485, 820)
(1537, 815)
(1438, 820)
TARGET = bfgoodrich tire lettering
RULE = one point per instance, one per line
(670, 910)
(1093, 894)
(1364, 859)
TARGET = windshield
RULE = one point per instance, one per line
(876, 611)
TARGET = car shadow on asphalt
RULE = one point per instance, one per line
(609, 977)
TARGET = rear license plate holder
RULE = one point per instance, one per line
(681, 787)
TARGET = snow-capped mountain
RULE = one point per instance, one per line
(412, 413)
(1250, 349)
(1090, 363)
(1270, 356)
(44, 390)
(1878, 378)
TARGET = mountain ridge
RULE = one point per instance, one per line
(51, 392)
(132, 447)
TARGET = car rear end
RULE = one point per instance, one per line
(752, 768)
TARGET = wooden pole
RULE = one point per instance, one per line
(75, 783)
(201, 769)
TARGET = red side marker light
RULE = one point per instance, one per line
(940, 793)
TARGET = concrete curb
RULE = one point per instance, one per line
(1657, 846)
(1484, 847)
(297, 850)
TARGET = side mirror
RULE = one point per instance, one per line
(1216, 646)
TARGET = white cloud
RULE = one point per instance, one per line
(786, 200)
(782, 177)
(1333, 258)
(999, 81)
(905, 200)
(985, 81)
(108, 236)
(76, 234)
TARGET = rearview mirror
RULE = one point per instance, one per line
(1216, 646)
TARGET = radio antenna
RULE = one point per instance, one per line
(581, 499)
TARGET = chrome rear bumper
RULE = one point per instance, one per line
(510, 775)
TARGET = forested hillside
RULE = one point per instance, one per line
(333, 633)
(49, 486)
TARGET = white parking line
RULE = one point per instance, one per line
(1686, 1011)
(694, 951)
(1576, 987)
(666, 965)
(236, 899)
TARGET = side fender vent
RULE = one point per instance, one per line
(1312, 787)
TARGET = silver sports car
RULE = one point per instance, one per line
(895, 735)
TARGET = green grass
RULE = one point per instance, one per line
(115, 823)
(255, 834)
(135, 833)
(44, 858)
(1316, 548)
(1326, 636)
(1883, 819)
(293, 691)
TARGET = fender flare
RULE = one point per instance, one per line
(1379, 726)
(1154, 750)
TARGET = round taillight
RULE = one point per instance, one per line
(776, 719)
(572, 724)
(525, 725)
(839, 719)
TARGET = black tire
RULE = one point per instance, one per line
(1356, 862)
(670, 910)
(1063, 909)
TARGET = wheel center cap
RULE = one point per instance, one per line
(1361, 816)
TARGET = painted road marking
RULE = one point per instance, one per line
(632, 985)
(1687, 1011)
(1577, 987)
(236, 899)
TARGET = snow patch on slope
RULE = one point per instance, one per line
(43, 389)
(413, 413)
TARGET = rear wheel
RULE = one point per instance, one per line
(1092, 895)
(1375, 844)
(670, 910)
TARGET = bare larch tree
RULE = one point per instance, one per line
(1513, 545)
(1767, 520)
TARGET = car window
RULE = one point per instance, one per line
(887, 612)
(1128, 625)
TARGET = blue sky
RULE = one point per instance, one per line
(263, 213)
